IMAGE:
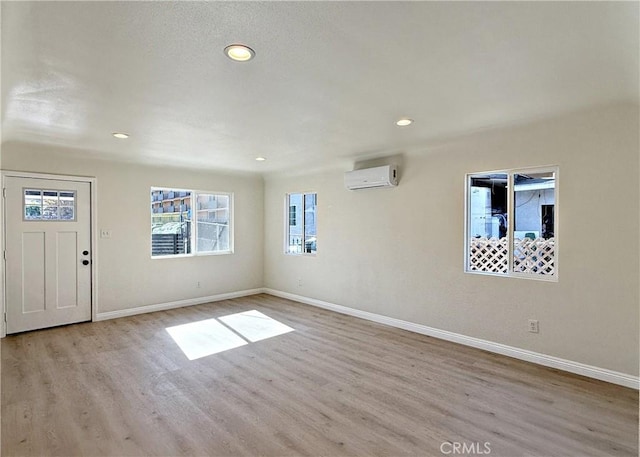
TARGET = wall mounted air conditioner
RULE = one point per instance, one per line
(385, 176)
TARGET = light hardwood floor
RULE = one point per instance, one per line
(336, 386)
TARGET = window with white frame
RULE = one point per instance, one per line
(49, 205)
(188, 222)
(511, 226)
(301, 223)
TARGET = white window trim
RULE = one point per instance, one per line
(510, 221)
(194, 234)
(286, 223)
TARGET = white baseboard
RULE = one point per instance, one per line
(510, 351)
(174, 304)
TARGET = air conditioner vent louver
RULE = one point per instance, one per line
(385, 176)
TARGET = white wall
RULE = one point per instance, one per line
(399, 252)
(127, 275)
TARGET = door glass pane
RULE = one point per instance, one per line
(32, 204)
(67, 206)
(487, 223)
(50, 204)
(534, 223)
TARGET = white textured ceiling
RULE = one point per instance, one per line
(328, 81)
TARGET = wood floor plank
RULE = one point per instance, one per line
(335, 386)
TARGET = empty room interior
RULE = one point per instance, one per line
(320, 228)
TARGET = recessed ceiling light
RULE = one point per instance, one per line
(121, 135)
(404, 122)
(239, 52)
(261, 159)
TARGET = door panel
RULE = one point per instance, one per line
(47, 228)
(33, 274)
(67, 280)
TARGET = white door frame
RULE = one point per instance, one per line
(93, 236)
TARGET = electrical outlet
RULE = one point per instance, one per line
(198, 285)
(534, 326)
(105, 233)
(299, 282)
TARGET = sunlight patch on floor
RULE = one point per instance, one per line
(255, 326)
(203, 338)
(211, 336)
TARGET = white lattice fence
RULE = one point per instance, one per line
(489, 255)
(534, 256)
(529, 256)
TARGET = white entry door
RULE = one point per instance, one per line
(48, 252)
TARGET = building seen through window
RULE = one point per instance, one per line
(186, 222)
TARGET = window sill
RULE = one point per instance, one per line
(183, 256)
(515, 275)
(300, 254)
